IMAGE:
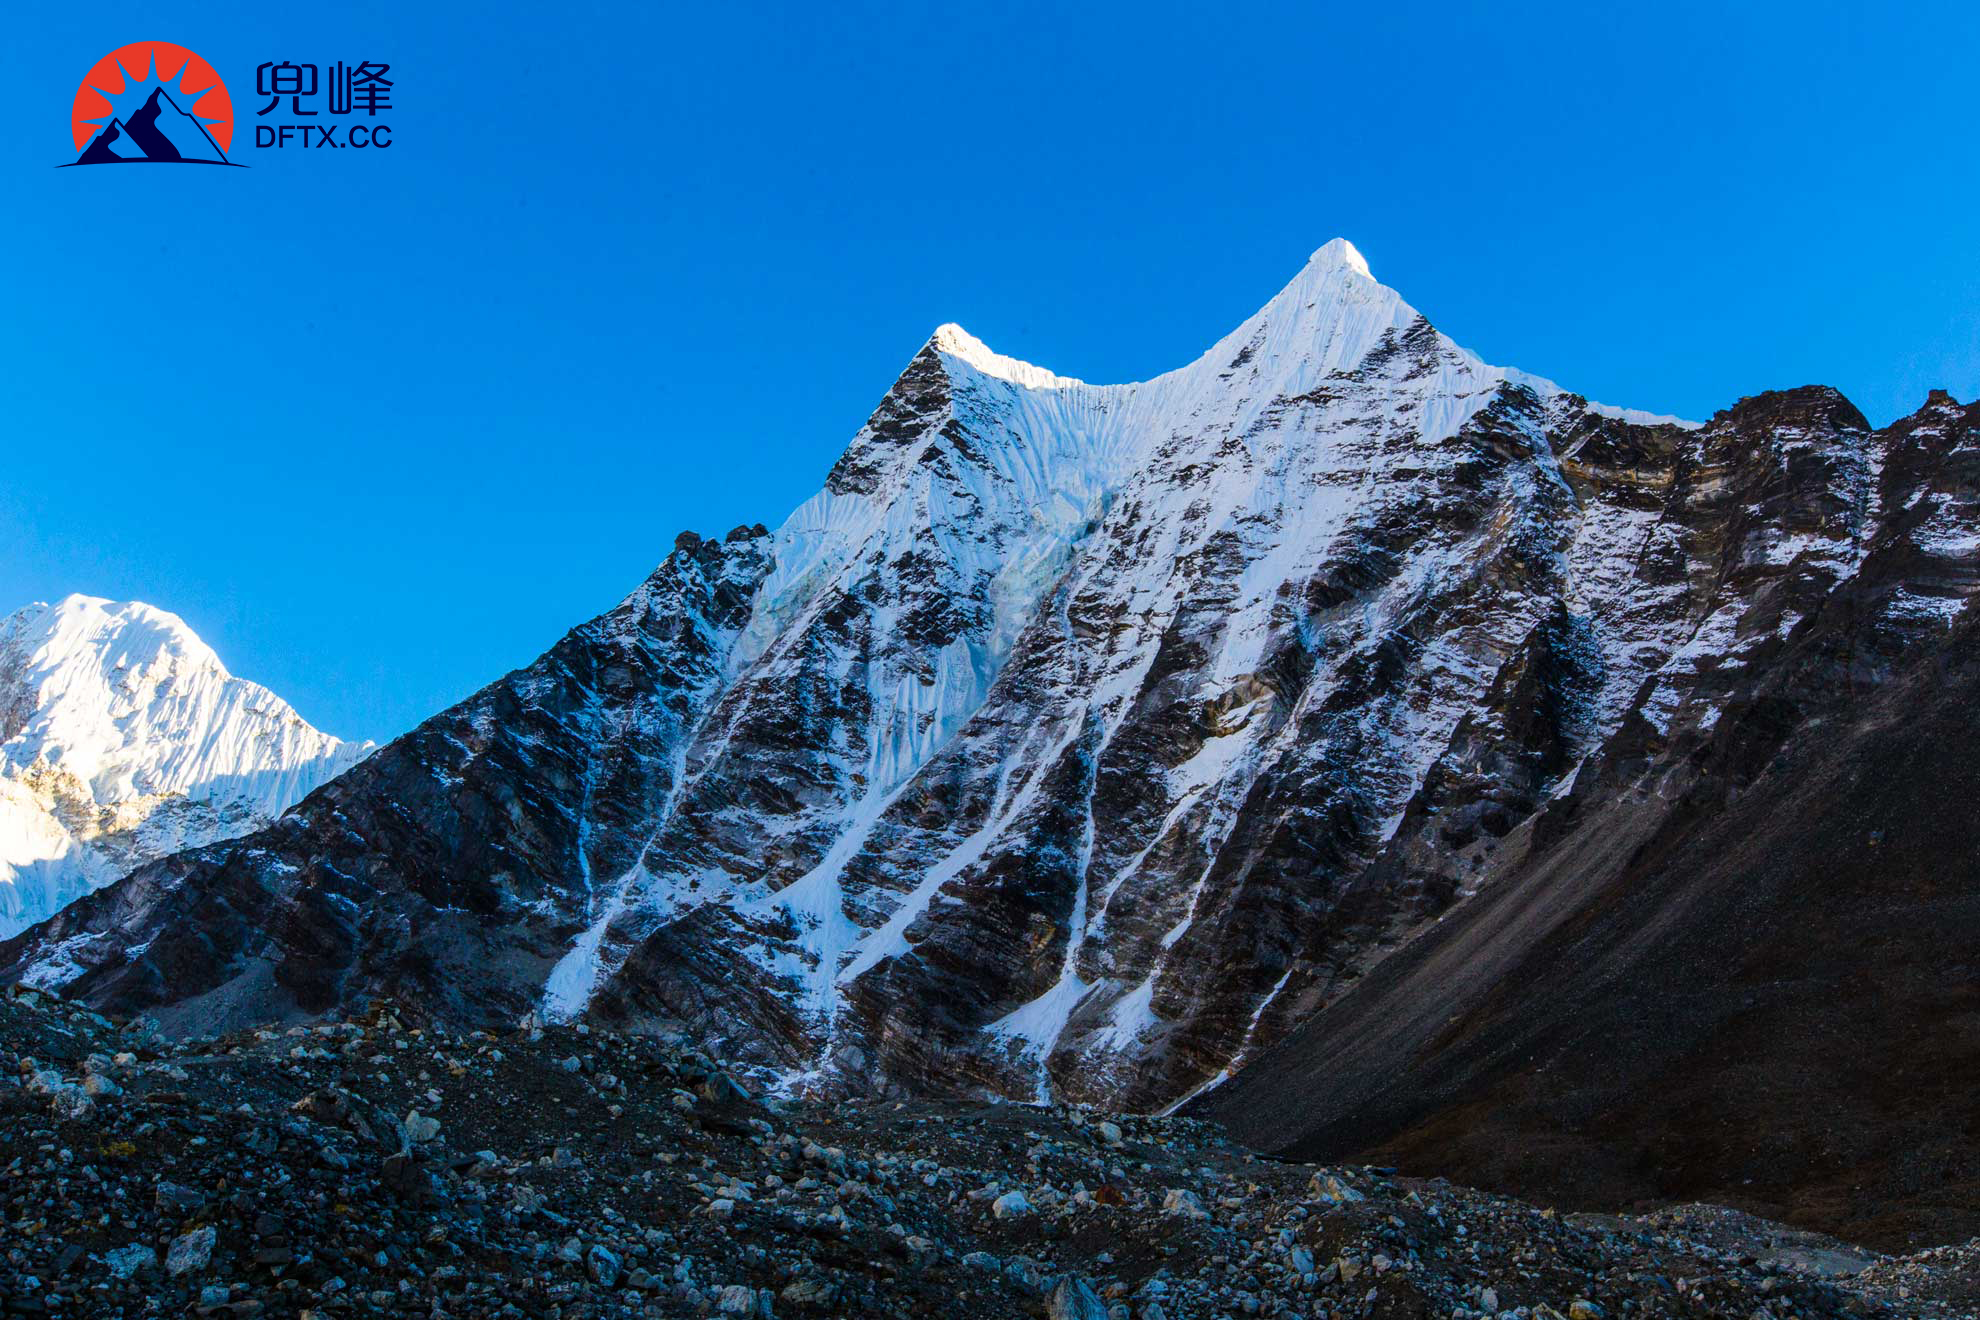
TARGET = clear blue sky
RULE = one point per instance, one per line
(383, 425)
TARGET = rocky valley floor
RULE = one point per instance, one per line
(376, 1167)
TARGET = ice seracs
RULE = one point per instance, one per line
(123, 738)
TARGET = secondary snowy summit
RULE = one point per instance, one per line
(122, 739)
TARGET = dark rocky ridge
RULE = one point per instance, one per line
(437, 867)
(1734, 962)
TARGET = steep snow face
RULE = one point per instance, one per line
(1034, 626)
(905, 585)
(123, 738)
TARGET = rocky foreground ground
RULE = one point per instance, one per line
(378, 1167)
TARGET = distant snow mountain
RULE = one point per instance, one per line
(123, 739)
(1074, 740)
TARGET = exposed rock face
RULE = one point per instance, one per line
(449, 862)
(124, 739)
(1074, 740)
(1733, 957)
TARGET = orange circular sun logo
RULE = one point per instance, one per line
(188, 101)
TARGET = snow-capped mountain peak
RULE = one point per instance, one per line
(1340, 252)
(122, 736)
(1072, 739)
(1325, 320)
(953, 341)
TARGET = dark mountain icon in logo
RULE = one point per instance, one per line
(157, 133)
(110, 146)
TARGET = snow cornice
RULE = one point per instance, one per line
(951, 340)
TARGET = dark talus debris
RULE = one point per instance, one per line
(371, 1167)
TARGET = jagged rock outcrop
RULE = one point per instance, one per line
(1074, 740)
(1732, 958)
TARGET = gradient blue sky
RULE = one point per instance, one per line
(383, 425)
